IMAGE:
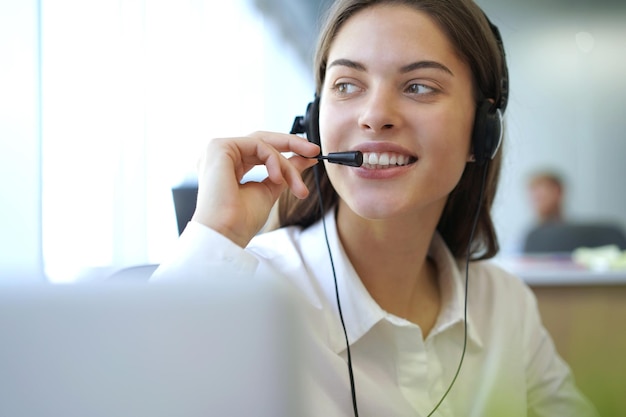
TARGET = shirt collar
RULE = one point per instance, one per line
(361, 312)
(451, 277)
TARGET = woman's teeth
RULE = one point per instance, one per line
(373, 160)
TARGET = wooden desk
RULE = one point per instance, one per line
(585, 313)
(588, 325)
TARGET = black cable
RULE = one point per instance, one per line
(332, 264)
(467, 261)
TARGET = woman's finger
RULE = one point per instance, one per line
(283, 142)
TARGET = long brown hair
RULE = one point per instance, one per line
(471, 35)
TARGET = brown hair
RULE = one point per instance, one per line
(470, 33)
(547, 176)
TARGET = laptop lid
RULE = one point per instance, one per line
(224, 348)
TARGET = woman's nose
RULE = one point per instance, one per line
(379, 111)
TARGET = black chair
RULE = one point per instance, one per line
(566, 237)
(185, 197)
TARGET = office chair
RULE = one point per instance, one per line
(185, 197)
(566, 237)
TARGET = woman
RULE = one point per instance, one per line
(408, 84)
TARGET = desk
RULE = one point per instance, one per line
(559, 270)
(585, 313)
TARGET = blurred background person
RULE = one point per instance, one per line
(554, 231)
(546, 190)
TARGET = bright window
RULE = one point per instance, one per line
(132, 91)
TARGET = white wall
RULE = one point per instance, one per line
(20, 182)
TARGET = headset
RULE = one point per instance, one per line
(487, 134)
(488, 126)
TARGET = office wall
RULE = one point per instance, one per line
(20, 182)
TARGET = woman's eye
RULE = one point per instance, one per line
(419, 89)
(345, 88)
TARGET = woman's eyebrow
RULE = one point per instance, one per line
(407, 68)
(347, 63)
(426, 64)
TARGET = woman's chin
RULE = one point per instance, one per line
(376, 209)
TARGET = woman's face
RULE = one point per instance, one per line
(396, 90)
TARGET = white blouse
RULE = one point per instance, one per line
(510, 367)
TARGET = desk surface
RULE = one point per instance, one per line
(558, 270)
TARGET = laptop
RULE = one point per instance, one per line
(224, 348)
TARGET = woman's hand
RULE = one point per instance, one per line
(238, 211)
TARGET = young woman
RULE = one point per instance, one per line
(416, 86)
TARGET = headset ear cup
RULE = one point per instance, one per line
(487, 133)
(312, 121)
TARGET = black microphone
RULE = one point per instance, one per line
(351, 159)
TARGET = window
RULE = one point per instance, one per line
(132, 91)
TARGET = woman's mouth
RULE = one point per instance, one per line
(385, 160)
